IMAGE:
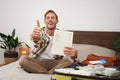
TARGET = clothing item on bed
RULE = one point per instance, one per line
(42, 65)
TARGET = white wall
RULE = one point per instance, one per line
(97, 15)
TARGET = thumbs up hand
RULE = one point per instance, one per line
(36, 32)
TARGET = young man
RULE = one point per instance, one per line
(41, 60)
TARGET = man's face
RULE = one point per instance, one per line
(50, 21)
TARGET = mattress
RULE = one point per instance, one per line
(13, 71)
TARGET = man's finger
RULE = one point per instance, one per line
(38, 23)
(68, 47)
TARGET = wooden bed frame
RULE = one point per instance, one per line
(104, 39)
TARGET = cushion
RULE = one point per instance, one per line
(85, 49)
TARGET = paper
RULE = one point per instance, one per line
(60, 40)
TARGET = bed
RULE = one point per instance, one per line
(86, 42)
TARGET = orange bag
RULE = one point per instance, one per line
(111, 61)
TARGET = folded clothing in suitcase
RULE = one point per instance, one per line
(84, 73)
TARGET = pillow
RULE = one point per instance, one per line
(85, 49)
(110, 61)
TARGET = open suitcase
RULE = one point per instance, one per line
(64, 76)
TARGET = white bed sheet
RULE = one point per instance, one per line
(13, 71)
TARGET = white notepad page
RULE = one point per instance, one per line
(61, 39)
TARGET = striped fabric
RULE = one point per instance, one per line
(41, 44)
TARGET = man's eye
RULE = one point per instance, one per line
(52, 17)
(47, 18)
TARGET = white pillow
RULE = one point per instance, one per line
(85, 49)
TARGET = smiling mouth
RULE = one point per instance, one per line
(50, 23)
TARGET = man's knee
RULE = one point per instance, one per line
(23, 59)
